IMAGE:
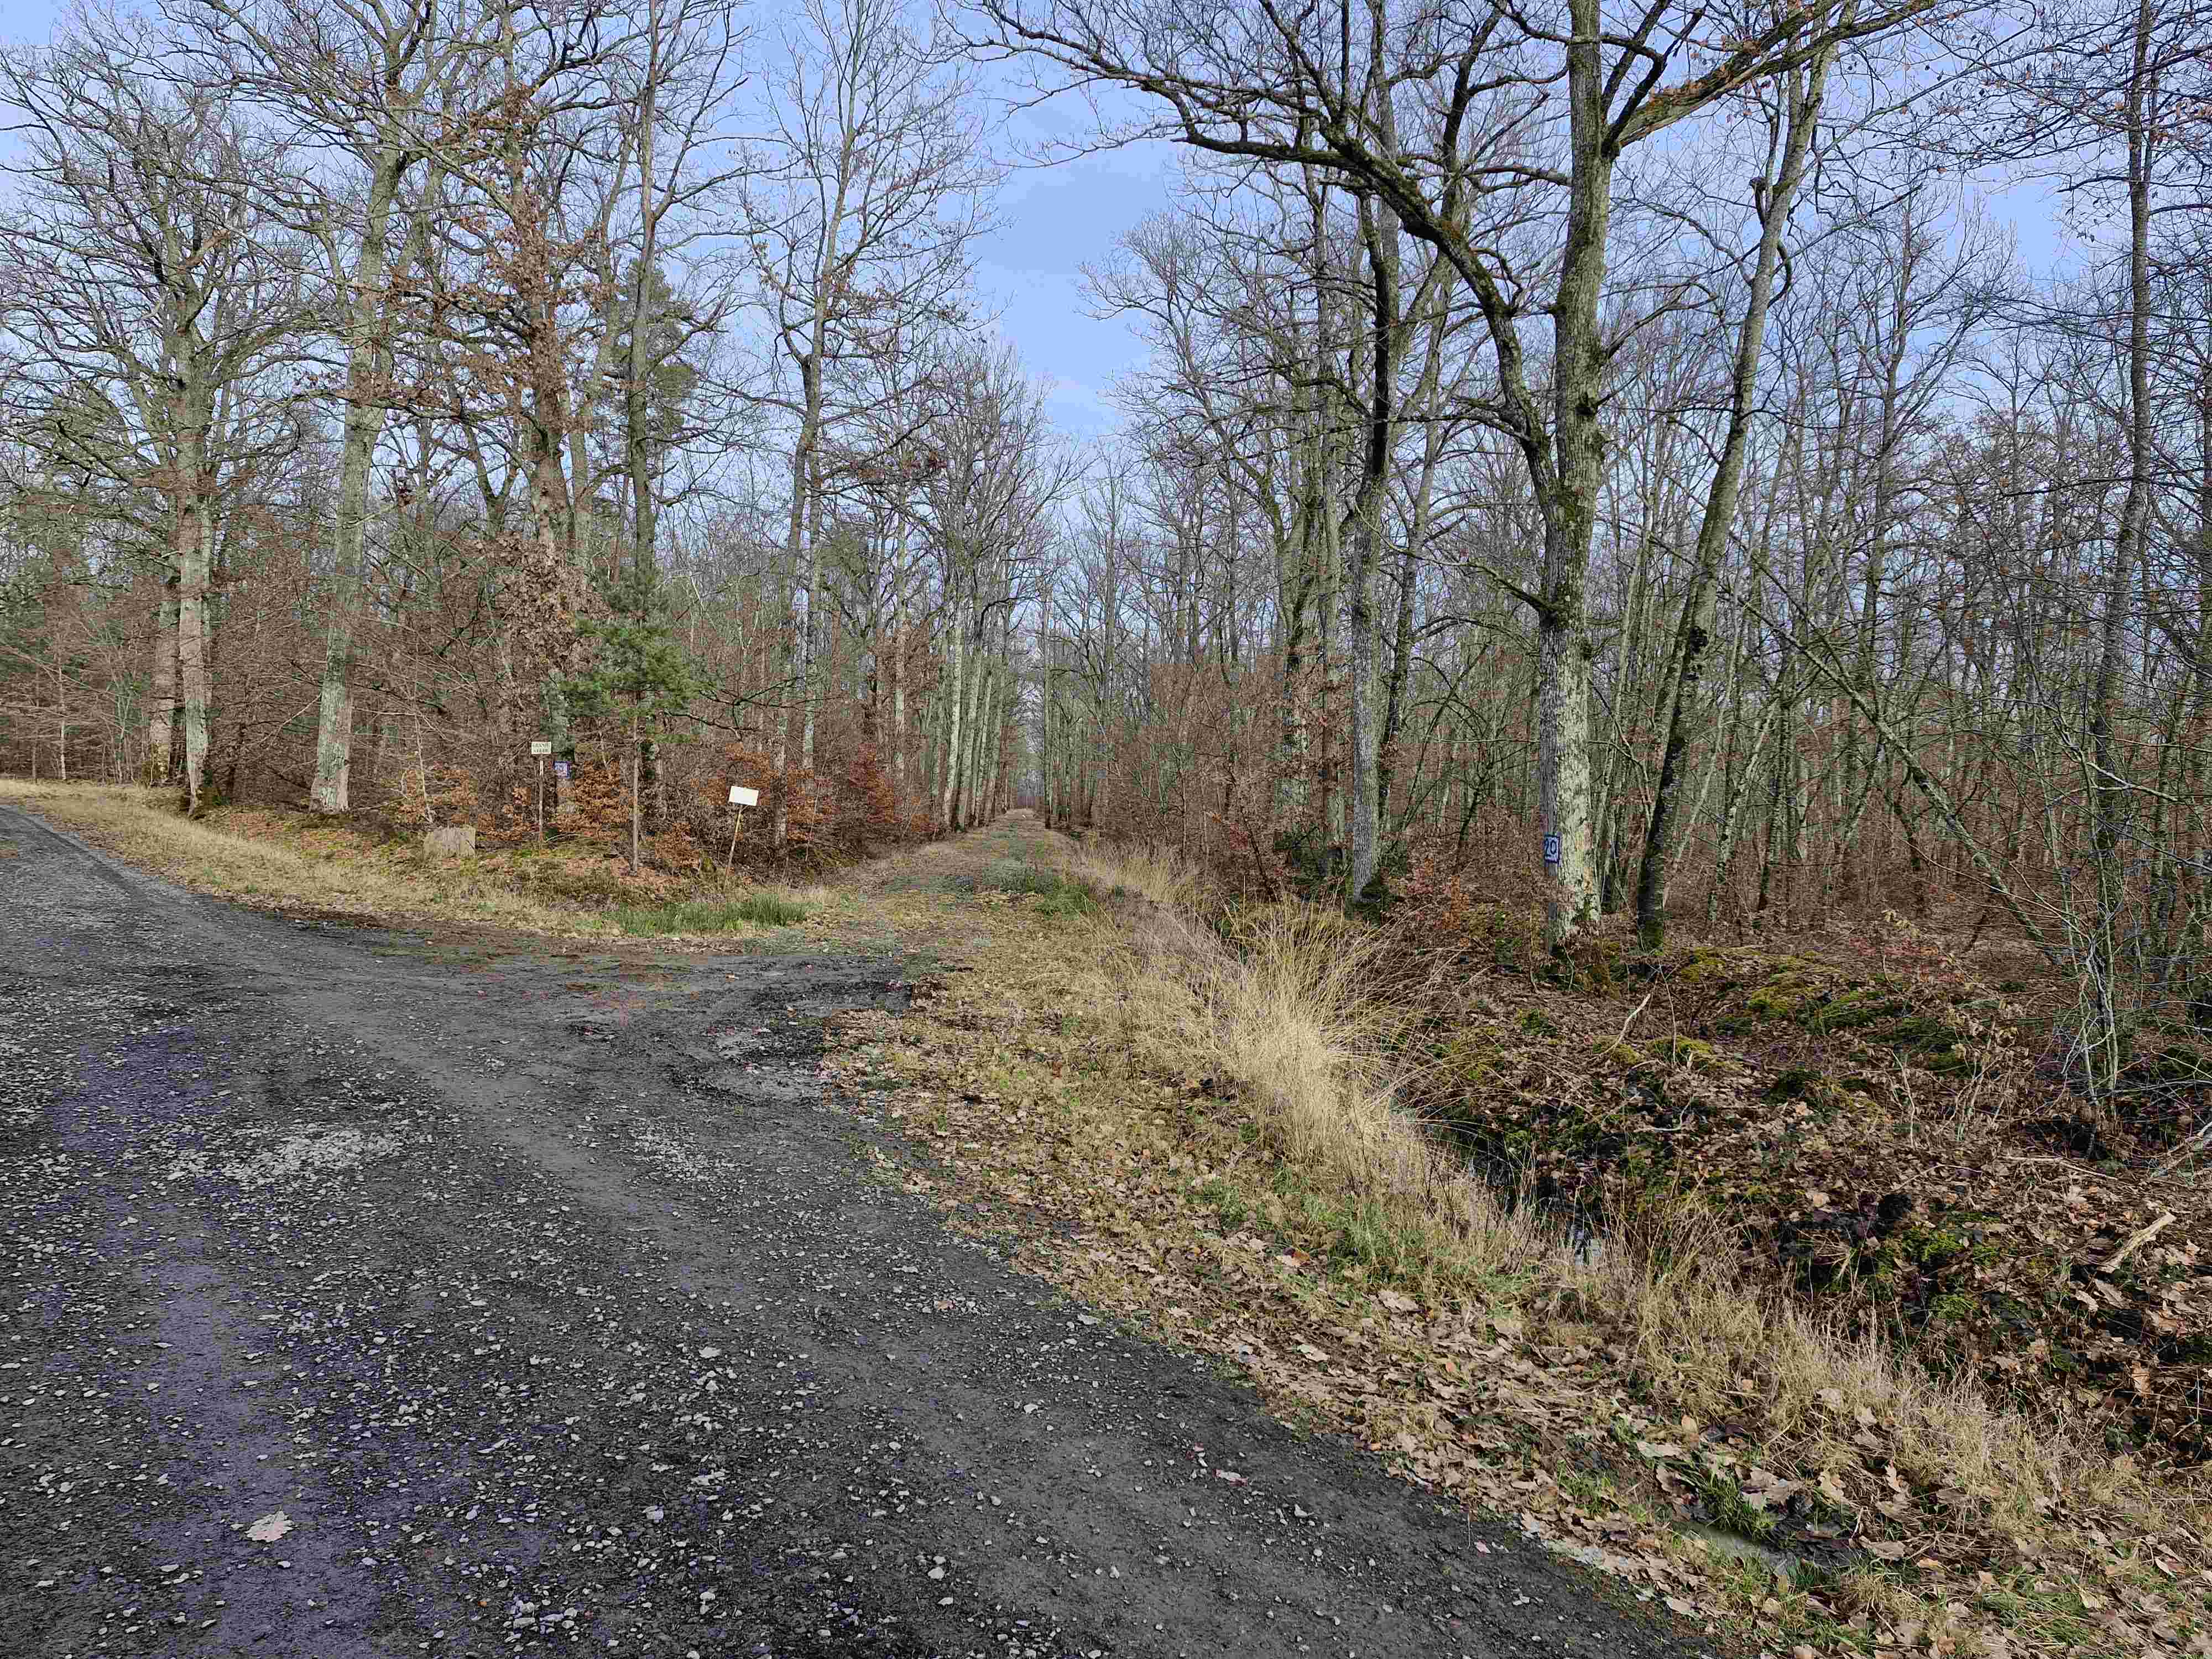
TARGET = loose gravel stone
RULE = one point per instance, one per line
(528, 1299)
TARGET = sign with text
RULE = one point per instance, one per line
(560, 769)
(541, 747)
(1551, 849)
(740, 796)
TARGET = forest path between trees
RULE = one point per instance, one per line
(375, 1292)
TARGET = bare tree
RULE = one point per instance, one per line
(862, 218)
(1799, 94)
(363, 89)
(988, 509)
(1334, 88)
(139, 282)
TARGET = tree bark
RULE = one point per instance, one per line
(1683, 703)
(1379, 233)
(1565, 647)
(368, 372)
(952, 695)
(2109, 788)
(161, 713)
(193, 551)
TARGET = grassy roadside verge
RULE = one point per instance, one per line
(288, 861)
(1203, 1135)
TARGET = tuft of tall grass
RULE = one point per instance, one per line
(1058, 893)
(685, 916)
(1283, 1000)
(1279, 999)
(1151, 870)
(1019, 875)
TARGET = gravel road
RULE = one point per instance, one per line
(369, 1292)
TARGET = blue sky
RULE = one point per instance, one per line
(1054, 221)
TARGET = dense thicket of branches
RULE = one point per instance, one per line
(1818, 556)
(391, 386)
(1594, 455)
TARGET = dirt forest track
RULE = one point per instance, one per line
(365, 1293)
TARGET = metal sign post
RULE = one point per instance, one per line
(740, 798)
(539, 749)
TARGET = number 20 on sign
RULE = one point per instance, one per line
(1551, 849)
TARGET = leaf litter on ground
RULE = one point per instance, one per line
(1051, 1110)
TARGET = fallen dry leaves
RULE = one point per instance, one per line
(1158, 1197)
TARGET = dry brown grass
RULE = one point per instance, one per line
(284, 861)
(1692, 1334)
(1158, 872)
(1286, 1007)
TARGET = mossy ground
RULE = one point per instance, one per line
(1878, 1128)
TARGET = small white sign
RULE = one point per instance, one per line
(741, 796)
(541, 747)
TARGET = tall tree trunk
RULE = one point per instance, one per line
(1290, 760)
(637, 456)
(637, 792)
(805, 567)
(2201, 668)
(978, 729)
(193, 552)
(2109, 788)
(1565, 646)
(896, 632)
(1047, 746)
(161, 698)
(1401, 660)
(1379, 232)
(952, 693)
(1682, 700)
(369, 373)
(1331, 795)
(330, 792)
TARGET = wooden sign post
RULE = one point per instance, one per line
(740, 798)
(539, 749)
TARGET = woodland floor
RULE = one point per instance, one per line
(1889, 1132)
(1888, 1152)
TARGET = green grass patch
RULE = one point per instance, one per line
(1069, 899)
(707, 915)
(1057, 894)
(1731, 1509)
(1019, 876)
